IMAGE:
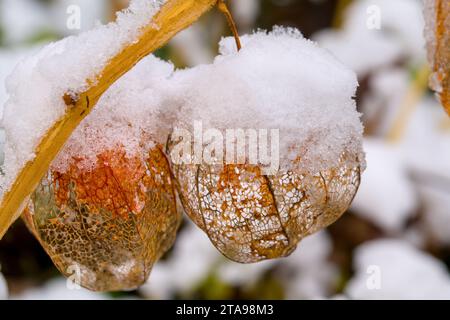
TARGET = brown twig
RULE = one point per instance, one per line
(224, 9)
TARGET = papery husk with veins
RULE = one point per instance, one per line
(250, 216)
(437, 17)
(108, 224)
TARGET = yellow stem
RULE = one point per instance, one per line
(339, 14)
(174, 16)
(415, 92)
(224, 9)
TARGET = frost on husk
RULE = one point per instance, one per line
(278, 80)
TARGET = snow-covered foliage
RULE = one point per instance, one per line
(386, 196)
(392, 269)
(375, 34)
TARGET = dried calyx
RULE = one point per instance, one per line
(284, 82)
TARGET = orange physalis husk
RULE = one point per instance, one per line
(437, 16)
(110, 223)
(251, 217)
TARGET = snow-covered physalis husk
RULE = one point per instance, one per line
(105, 227)
(437, 16)
(251, 217)
(252, 205)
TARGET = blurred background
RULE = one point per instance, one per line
(393, 243)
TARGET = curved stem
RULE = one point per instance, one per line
(224, 9)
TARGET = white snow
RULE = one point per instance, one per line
(404, 273)
(428, 125)
(388, 88)
(23, 20)
(358, 49)
(91, 13)
(130, 115)
(245, 12)
(19, 19)
(192, 45)
(38, 84)
(238, 274)
(191, 261)
(386, 196)
(436, 203)
(426, 150)
(308, 273)
(365, 49)
(401, 21)
(57, 289)
(279, 80)
(8, 60)
(3, 288)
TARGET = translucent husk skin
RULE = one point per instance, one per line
(250, 217)
(437, 16)
(112, 223)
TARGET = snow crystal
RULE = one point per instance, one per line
(37, 86)
(130, 115)
(386, 196)
(8, 59)
(279, 80)
(393, 269)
